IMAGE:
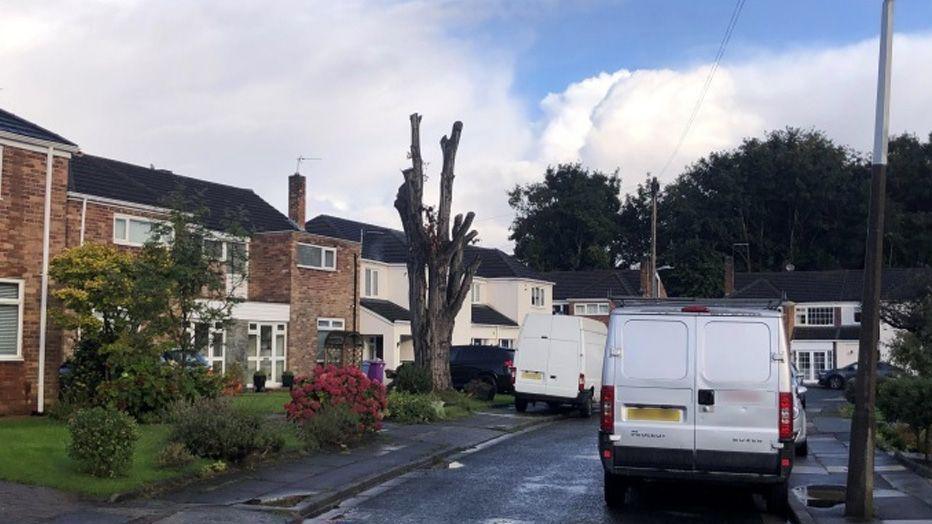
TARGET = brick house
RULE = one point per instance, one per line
(300, 285)
(594, 293)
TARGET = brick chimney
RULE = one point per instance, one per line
(297, 198)
(729, 286)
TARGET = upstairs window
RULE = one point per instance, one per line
(131, 231)
(857, 314)
(372, 282)
(815, 316)
(561, 309)
(592, 308)
(537, 296)
(11, 319)
(476, 293)
(317, 257)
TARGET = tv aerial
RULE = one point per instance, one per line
(297, 168)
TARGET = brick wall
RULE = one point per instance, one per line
(22, 204)
(98, 221)
(270, 264)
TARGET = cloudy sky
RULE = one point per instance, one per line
(233, 91)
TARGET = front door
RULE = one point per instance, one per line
(211, 343)
(811, 360)
(267, 350)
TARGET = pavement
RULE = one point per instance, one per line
(552, 474)
(900, 496)
(282, 491)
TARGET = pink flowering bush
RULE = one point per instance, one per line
(332, 387)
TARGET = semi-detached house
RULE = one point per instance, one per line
(300, 285)
(827, 321)
(504, 291)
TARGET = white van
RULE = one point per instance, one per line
(558, 360)
(697, 392)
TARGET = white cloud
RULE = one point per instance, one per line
(233, 91)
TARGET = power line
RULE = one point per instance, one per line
(735, 14)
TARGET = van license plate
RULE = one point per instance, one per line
(532, 375)
(655, 414)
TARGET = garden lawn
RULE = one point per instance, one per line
(269, 402)
(35, 452)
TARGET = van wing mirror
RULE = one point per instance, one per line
(801, 390)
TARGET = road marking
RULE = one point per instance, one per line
(388, 448)
(454, 465)
(887, 493)
(837, 469)
(895, 467)
(810, 470)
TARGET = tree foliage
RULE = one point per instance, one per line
(568, 221)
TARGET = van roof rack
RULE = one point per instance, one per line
(744, 303)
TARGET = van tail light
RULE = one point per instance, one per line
(786, 416)
(607, 408)
(510, 366)
(582, 382)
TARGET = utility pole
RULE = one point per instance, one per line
(859, 497)
(654, 279)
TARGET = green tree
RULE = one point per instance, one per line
(632, 244)
(908, 400)
(908, 237)
(568, 221)
(912, 346)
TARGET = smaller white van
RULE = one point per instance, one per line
(558, 360)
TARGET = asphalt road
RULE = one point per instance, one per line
(551, 474)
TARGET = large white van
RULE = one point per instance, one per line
(558, 360)
(696, 391)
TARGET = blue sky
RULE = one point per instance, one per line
(234, 90)
(572, 40)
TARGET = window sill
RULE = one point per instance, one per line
(12, 359)
(127, 243)
(327, 269)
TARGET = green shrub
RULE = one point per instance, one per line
(332, 426)
(460, 400)
(174, 455)
(214, 428)
(412, 379)
(908, 400)
(412, 408)
(63, 410)
(480, 389)
(102, 441)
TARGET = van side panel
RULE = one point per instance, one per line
(654, 407)
(594, 349)
(737, 431)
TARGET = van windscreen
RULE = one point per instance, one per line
(655, 349)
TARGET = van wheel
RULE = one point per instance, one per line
(615, 488)
(585, 409)
(520, 405)
(777, 498)
(802, 450)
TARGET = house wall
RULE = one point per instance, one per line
(22, 208)
(98, 221)
(495, 333)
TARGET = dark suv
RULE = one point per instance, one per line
(837, 378)
(490, 364)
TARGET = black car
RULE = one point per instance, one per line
(193, 360)
(837, 378)
(490, 364)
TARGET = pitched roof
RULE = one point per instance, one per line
(826, 332)
(102, 177)
(390, 311)
(20, 126)
(484, 314)
(390, 246)
(841, 285)
(595, 283)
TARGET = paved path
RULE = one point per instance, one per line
(549, 475)
(899, 494)
(278, 492)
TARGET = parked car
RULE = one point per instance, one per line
(837, 378)
(559, 361)
(799, 415)
(192, 359)
(688, 393)
(492, 365)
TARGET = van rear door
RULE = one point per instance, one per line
(736, 394)
(654, 397)
(532, 355)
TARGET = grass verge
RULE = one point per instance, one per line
(269, 402)
(35, 452)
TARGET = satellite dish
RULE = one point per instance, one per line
(790, 267)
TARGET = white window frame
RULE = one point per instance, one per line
(21, 284)
(538, 296)
(212, 331)
(1, 172)
(255, 328)
(126, 241)
(476, 293)
(371, 286)
(804, 316)
(323, 257)
(592, 309)
(508, 343)
(329, 324)
(479, 342)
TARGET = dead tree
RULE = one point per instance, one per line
(439, 277)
